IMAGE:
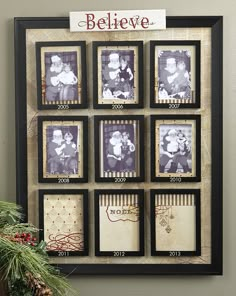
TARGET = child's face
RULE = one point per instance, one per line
(67, 68)
(123, 64)
(67, 138)
(181, 66)
(125, 137)
(171, 66)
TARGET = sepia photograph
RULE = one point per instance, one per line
(118, 74)
(61, 74)
(62, 153)
(175, 74)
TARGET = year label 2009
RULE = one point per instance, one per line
(120, 180)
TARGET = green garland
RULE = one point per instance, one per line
(24, 264)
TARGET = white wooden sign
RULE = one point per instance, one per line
(121, 20)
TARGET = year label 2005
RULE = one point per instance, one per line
(63, 107)
(119, 254)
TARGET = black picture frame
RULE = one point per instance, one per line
(179, 178)
(197, 200)
(122, 178)
(139, 83)
(64, 105)
(215, 25)
(62, 179)
(82, 192)
(175, 103)
(119, 253)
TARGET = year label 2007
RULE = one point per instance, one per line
(63, 180)
(174, 106)
(117, 107)
(119, 254)
(175, 254)
(120, 180)
(63, 254)
(63, 107)
(175, 180)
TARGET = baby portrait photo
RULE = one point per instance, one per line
(118, 74)
(175, 73)
(62, 154)
(60, 75)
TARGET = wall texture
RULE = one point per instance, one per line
(135, 286)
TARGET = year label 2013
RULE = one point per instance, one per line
(175, 254)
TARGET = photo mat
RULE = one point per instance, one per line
(62, 149)
(63, 220)
(118, 68)
(175, 74)
(61, 75)
(119, 224)
(175, 222)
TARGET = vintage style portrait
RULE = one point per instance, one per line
(175, 222)
(62, 153)
(175, 74)
(118, 74)
(63, 220)
(61, 74)
(119, 223)
(118, 152)
(175, 147)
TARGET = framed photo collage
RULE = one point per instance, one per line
(119, 158)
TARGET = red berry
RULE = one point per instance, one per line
(34, 239)
(32, 244)
(17, 235)
(23, 235)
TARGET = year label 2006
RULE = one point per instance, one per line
(175, 180)
(119, 254)
(174, 106)
(63, 107)
(175, 254)
(117, 107)
(63, 180)
(63, 254)
(120, 180)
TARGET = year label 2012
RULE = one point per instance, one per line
(119, 254)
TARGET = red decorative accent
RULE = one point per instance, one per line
(65, 242)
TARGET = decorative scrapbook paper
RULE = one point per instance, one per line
(175, 74)
(63, 222)
(175, 148)
(119, 222)
(175, 218)
(118, 75)
(119, 148)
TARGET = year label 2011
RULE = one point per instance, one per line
(119, 254)
(63, 254)
(117, 107)
(175, 180)
(174, 106)
(175, 254)
(63, 180)
(63, 107)
(120, 180)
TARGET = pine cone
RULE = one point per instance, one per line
(38, 287)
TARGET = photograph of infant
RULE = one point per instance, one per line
(119, 148)
(175, 148)
(61, 76)
(174, 74)
(117, 74)
(62, 150)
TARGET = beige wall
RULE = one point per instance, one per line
(123, 285)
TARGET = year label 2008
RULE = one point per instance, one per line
(119, 254)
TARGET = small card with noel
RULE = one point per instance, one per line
(175, 222)
(63, 220)
(119, 223)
